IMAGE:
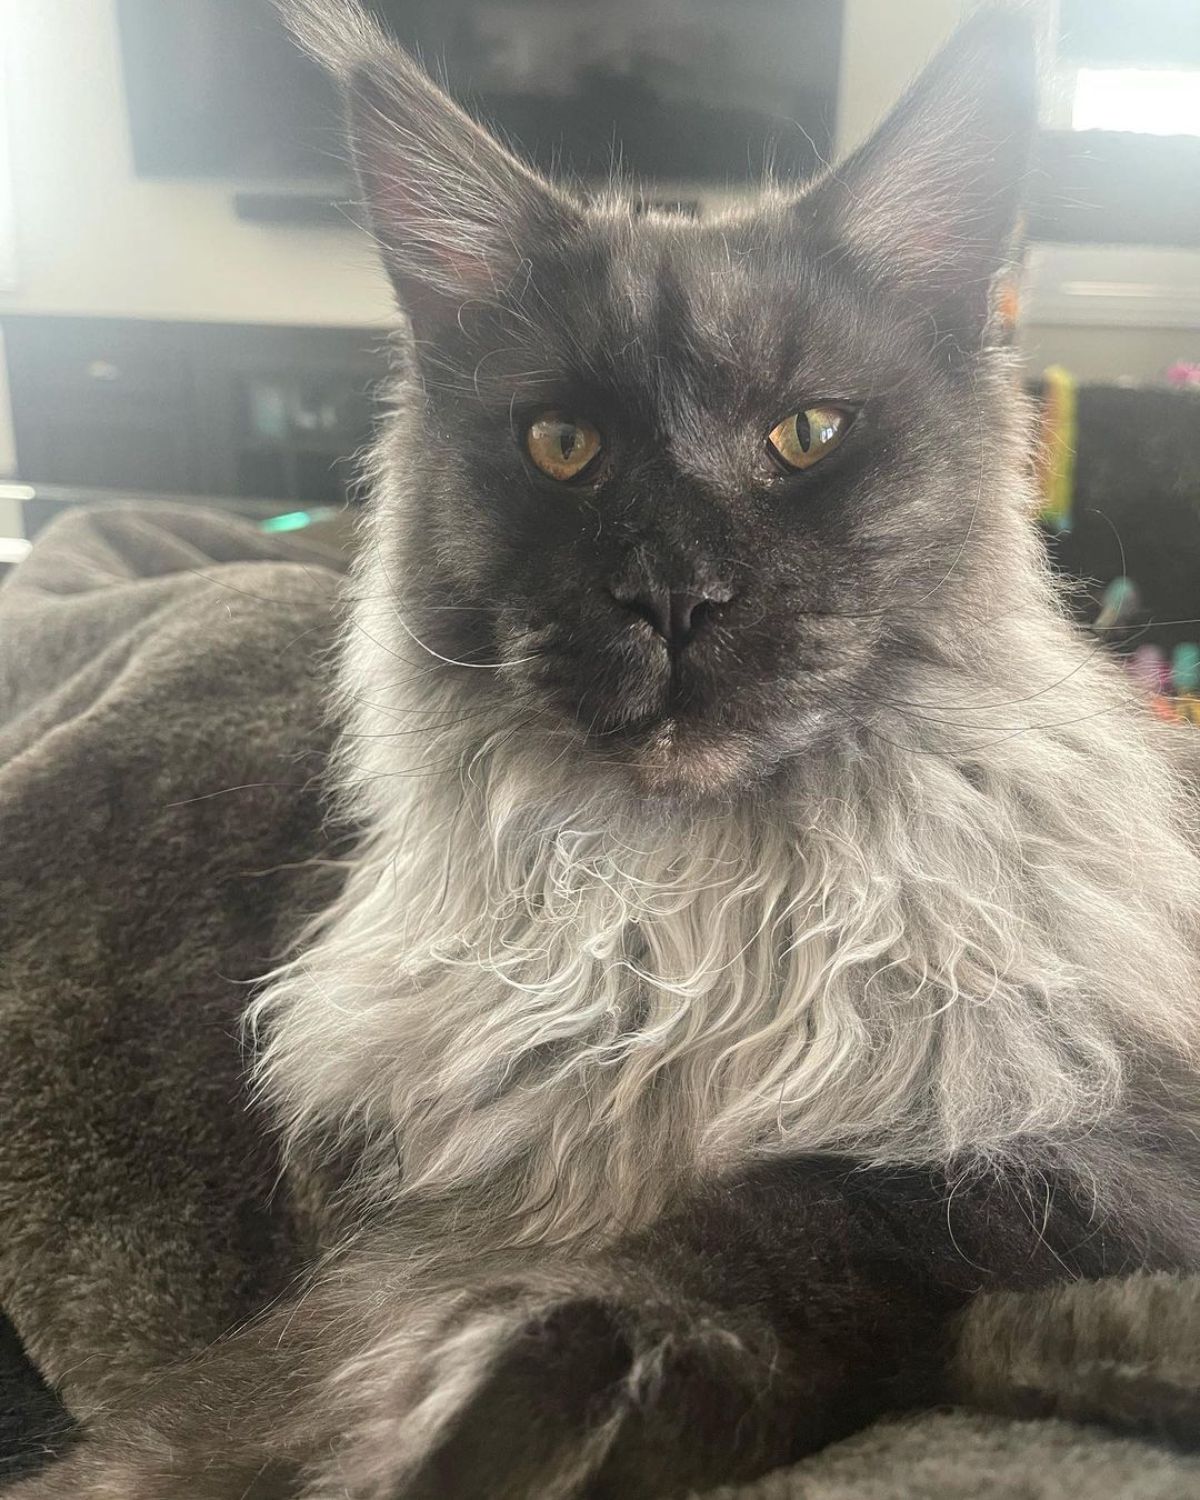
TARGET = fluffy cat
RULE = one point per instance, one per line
(850, 868)
(772, 922)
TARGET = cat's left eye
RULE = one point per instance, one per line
(806, 437)
(561, 446)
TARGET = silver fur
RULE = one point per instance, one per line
(936, 938)
(950, 927)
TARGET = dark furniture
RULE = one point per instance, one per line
(1136, 510)
(199, 408)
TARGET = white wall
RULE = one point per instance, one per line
(94, 239)
(8, 447)
(884, 44)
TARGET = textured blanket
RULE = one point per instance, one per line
(162, 679)
(161, 731)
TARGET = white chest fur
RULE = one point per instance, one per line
(527, 985)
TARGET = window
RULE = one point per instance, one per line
(1146, 101)
(1119, 159)
(1129, 65)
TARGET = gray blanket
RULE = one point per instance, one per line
(162, 677)
(161, 731)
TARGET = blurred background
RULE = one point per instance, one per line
(186, 307)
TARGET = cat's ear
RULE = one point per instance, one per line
(930, 203)
(453, 211)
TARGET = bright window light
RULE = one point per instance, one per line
(1150, 101)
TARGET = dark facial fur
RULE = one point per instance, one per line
(684, 344)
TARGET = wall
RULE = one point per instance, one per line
(1099, 353)
(93, 238)
(884, 43)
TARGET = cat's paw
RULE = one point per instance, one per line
(582, 1394)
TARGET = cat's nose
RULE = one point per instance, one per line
(675, 614)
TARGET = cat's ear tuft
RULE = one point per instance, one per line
(339, 34)
(453, 210)
(930, 203)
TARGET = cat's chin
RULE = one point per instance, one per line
(688, 760)
(678, 761)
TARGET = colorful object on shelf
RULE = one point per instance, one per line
(1008, 307)
(1119, 604)
(297, 520)
(1056, 453)
(1185, 667)
(1184, 373)
(1149, 666)
(1187, 708)
(1173, 690)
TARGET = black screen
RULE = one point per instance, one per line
(687, 90)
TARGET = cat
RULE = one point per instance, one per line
(771, 922)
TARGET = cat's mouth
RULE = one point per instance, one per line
(666, 723)
(684, 753)
(675, 725)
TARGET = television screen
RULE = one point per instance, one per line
(665, 90)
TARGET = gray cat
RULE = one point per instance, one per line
(770, 924)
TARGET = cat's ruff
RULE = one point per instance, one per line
(921, 942)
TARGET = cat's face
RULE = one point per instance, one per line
(695, 489)
(695, 603)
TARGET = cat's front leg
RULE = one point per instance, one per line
(572, 1385)
(770, 1316)
(143, 1464)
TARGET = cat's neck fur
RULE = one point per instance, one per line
(948, 930)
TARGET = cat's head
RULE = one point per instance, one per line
(695, 492)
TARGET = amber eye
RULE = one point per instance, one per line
(560, 446)
(806, 437)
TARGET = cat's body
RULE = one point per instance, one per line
(772, 922)
(916, 944)
(868, 891)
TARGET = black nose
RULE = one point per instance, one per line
(676, 614)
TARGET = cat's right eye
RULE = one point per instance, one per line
(561, 446)
(806, 437)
